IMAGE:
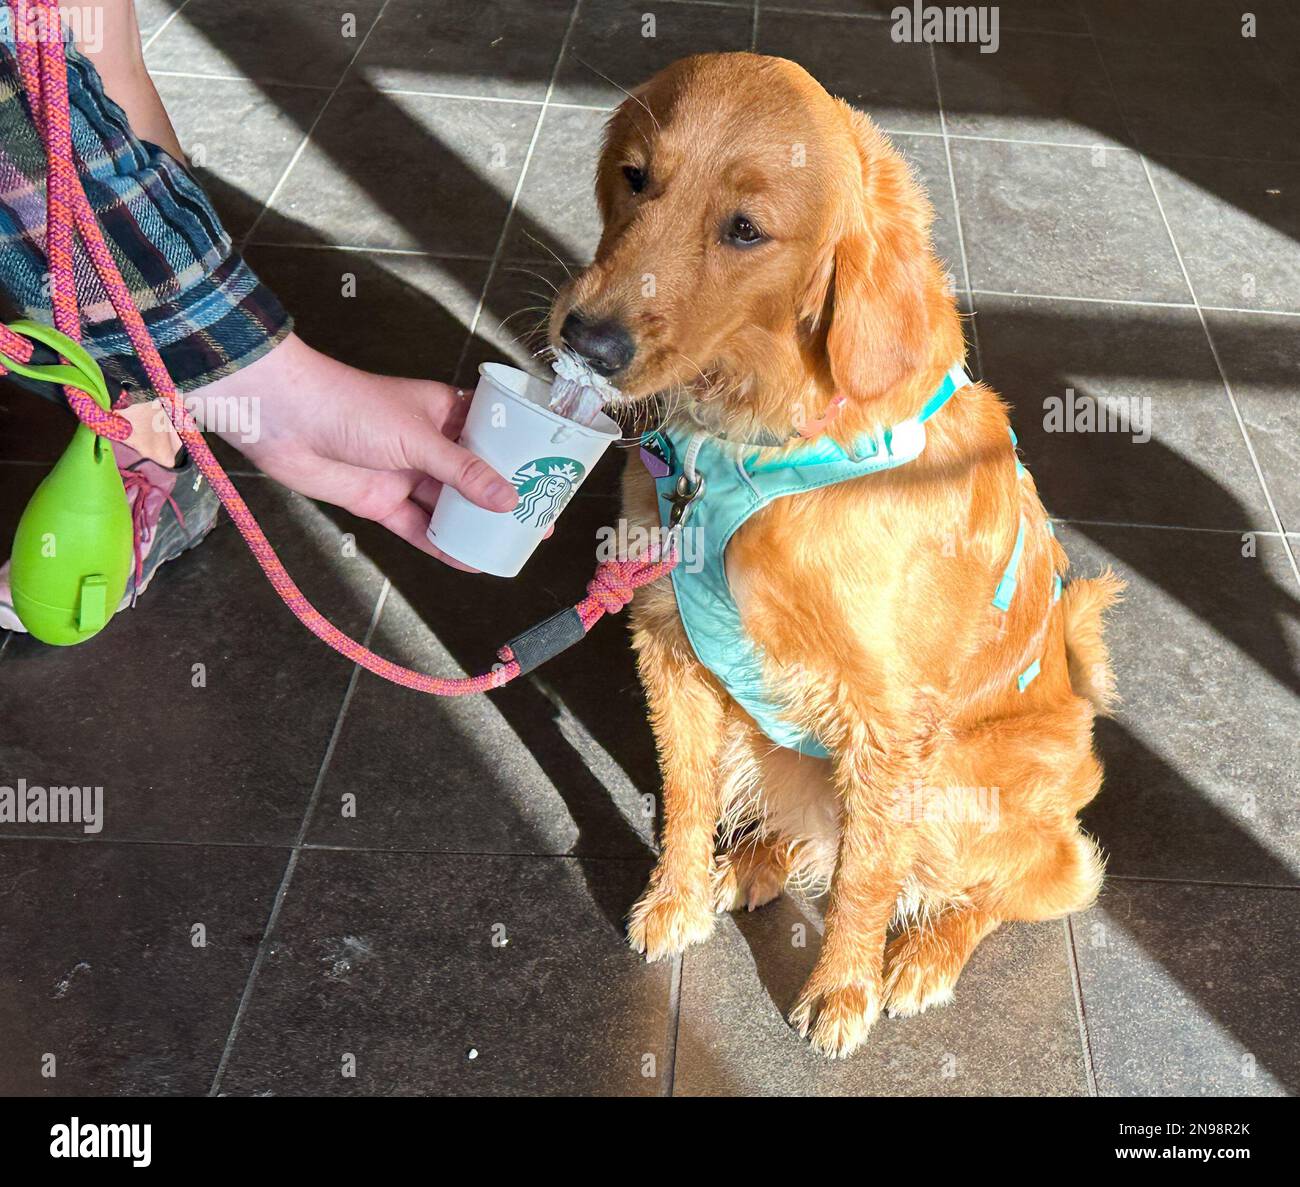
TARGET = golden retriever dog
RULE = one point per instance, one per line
(766, 263)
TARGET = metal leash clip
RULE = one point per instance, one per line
(681, 499)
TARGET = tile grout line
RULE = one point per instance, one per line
(1142, 304)
(1261, 312)
(321, 847)
(674, 1014)
(264, 945)
(623, 859)
(753, 31)
(465, 98)
(1076, 984)
(158, 32)
(472, 329)
(1109, 145)
(1200, 313)
(285, 84)
(792, 10)
(1166, 527)
(378, 251)
(956, 213)
(247, 237)
(626, 859)
(1089, 300)
(1153, 880)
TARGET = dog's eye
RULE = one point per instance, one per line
(742, 232)
(636, 178)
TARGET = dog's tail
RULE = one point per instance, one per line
(1084, 603)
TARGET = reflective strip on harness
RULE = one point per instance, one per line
(1026, 678)
(1015, 441)
(1007, 586)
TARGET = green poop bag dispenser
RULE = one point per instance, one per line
(73, 549)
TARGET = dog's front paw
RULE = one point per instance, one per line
(839, 1019)
(665, 923)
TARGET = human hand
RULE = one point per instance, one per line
(377, 446)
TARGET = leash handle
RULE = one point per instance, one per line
(68, 213)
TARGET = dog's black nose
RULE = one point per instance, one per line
(606, 346)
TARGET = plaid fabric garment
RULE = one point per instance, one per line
(207, 311)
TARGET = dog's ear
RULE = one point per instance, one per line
(872, 289)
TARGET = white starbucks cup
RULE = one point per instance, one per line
(544, 455)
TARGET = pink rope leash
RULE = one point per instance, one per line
(38, 37)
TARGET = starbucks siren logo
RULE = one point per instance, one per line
(545, 485)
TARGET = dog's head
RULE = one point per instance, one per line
(764, 250)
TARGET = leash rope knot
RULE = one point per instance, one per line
(611, 587)
(616, 581)
(43, 67)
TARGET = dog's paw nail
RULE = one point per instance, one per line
(801, 1015)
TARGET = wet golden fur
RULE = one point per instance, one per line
(870, 600)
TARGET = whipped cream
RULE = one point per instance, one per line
(578, 393)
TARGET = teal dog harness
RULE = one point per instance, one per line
(703, 478)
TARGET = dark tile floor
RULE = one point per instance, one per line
(310, 882)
